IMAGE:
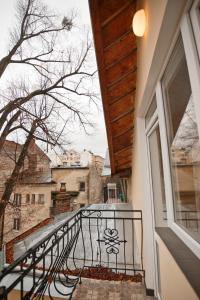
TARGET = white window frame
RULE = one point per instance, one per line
(149, 128)
(194, 73)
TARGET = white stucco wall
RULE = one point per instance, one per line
(163, 17)
(174, 284)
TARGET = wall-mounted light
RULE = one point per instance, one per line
(139, 23)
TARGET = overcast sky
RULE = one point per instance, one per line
(97, 141)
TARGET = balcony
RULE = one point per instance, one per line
(97, 244)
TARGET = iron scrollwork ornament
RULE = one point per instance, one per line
(111, 240)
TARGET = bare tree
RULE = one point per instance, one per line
(34, 21)
(57, 84)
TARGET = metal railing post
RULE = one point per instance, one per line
(3, 294)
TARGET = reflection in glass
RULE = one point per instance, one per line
(157, 179)
(183, 142)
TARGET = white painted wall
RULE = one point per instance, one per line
(174, 284)
(163, 17)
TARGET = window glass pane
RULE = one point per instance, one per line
(157, 178)
(41, 199)
(33, 199)
(82, 186)
(183, 142)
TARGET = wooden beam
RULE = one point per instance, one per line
(133, 70)
(122, 133)
(117, 108)
(121, 58)
(115, 14)
(122, 87)
(118, 26)
(129, 93)
(119, 152)
(126, 65)
(122, 124)
(122, 115)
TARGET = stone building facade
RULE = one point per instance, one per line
(31, 199)
(39, 193)
(83, 183)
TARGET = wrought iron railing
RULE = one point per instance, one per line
(89, 239)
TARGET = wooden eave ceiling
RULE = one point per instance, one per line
(116, 54)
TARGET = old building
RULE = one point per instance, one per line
(83, 183)
(70, 158)
(31, 199)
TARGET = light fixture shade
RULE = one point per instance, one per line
(139, 23)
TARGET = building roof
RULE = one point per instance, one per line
(13, 146)
(37, 177)
(70, 167)
(116, 53)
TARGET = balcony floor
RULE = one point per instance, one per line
(91, 289)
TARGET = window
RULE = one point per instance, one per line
(82, 186)
(16, 224)
(112, 191)
(27, 198)
(183, 140)
(41, 199)
(33, 199)
(17, 199)
(157, 178)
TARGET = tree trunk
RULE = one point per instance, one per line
(7, 129)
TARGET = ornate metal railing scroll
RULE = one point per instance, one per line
(110, 239)
(89, 239)
(44, 269)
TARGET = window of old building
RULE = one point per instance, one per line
(16, 224)
(82, 186)
(17, 199)
(112, 191)
(33, 199)
(41, 199)
(27, 198)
